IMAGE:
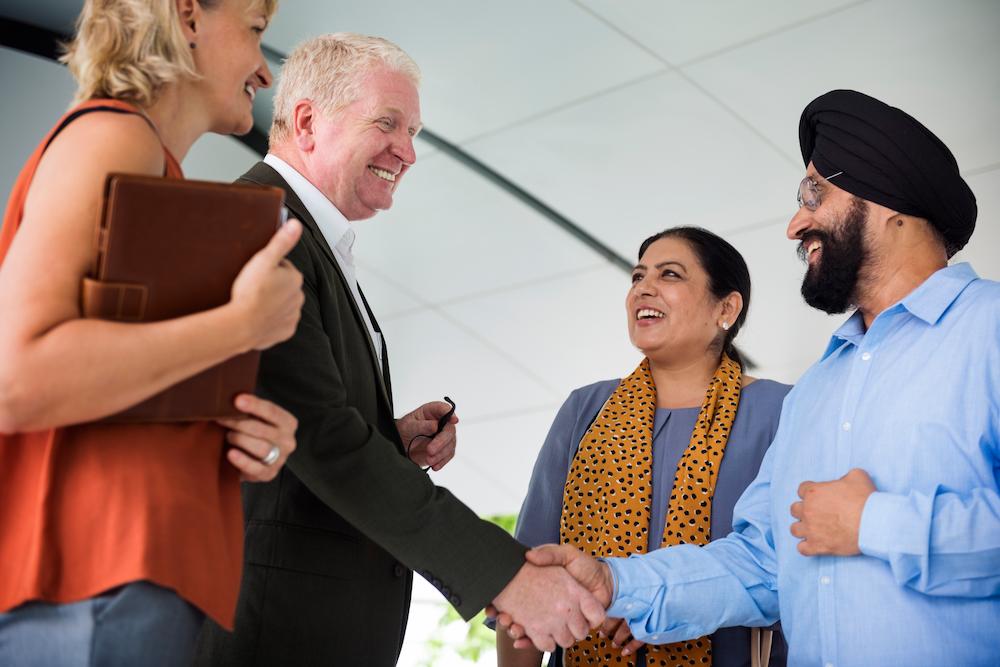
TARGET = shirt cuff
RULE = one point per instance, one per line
(625, 600)
(879, 523)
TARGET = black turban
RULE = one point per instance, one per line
(889, 158)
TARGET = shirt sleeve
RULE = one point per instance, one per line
(538, 521)
(684, 592)
(940, 543)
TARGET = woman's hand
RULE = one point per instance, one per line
(618, 632)
(268, 290)
(267, 426)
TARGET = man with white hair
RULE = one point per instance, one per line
(331, 543)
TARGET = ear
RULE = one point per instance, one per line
(304, 116)
(189, 12)
(730, 308)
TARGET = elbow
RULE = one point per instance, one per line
(14, 408)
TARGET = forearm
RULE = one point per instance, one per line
(84, 369)
(678, 593)
(939, 544)
(508, 656)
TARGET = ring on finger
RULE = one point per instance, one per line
(272, 456)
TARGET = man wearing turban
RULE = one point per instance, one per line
(873, 528)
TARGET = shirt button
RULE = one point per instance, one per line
(846, 426)
(866, 356)
(824, 580)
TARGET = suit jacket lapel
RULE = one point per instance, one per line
(385, 349)
(263, 174)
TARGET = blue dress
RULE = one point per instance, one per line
(755, 425)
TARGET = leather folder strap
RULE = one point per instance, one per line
(113, 301)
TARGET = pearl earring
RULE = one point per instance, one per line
(725, 326)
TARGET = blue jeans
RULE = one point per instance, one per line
(136, 624)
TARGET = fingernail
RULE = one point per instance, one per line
(625, 651)
(242, 402)
(601, 634)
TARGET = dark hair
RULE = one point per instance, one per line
(727, 272)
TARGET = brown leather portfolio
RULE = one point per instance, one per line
(168, 248)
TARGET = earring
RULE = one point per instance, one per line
(191, 44)
(725, 326)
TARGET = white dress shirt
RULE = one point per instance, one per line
(336, 230)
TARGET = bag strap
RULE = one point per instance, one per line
(760, 646)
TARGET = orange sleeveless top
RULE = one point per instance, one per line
(91, 507)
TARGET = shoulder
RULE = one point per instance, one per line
(985, 295)
(764, 393)
(596, 392)
(104, 142)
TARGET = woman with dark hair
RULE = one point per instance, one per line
(660, 457)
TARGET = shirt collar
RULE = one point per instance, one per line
(329, 219)
(927, 302)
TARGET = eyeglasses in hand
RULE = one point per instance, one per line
(442, 422)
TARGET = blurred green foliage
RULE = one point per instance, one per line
(478, 638)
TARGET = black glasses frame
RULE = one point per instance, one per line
(442, 422)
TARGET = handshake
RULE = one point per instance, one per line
(557, 597)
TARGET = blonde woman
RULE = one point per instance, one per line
(117, 540)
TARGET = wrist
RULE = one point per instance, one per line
(608, 584)
(237, 327)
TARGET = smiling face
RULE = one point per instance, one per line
(228, 56)
(671, 310)
(832, 243)
(359, 153)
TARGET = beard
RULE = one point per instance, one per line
(830, 285)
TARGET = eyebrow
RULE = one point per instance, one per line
(661, 265)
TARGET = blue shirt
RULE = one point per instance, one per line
(754, 427)
(915, 402)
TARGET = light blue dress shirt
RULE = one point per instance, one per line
(915, 402)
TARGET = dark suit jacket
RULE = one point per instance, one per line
(332, 541)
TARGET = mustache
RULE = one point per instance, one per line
(807, 238)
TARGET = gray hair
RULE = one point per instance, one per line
(329, 71)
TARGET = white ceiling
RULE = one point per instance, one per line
(627, 117)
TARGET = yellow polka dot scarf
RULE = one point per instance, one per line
(609, 493)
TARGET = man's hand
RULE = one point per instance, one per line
(829, 514)
(592, 574)
(431, 451)
(549, 606)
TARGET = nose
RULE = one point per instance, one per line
(403, 148)
(264, 76)
(645, 286)
(798, 225)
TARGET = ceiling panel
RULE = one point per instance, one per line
(571, 330)
(432, 356)
(484, 65)
(492, 466)
(451, 233)
(57, 15)
(936, 60)
(679, 30)
(642, 158)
